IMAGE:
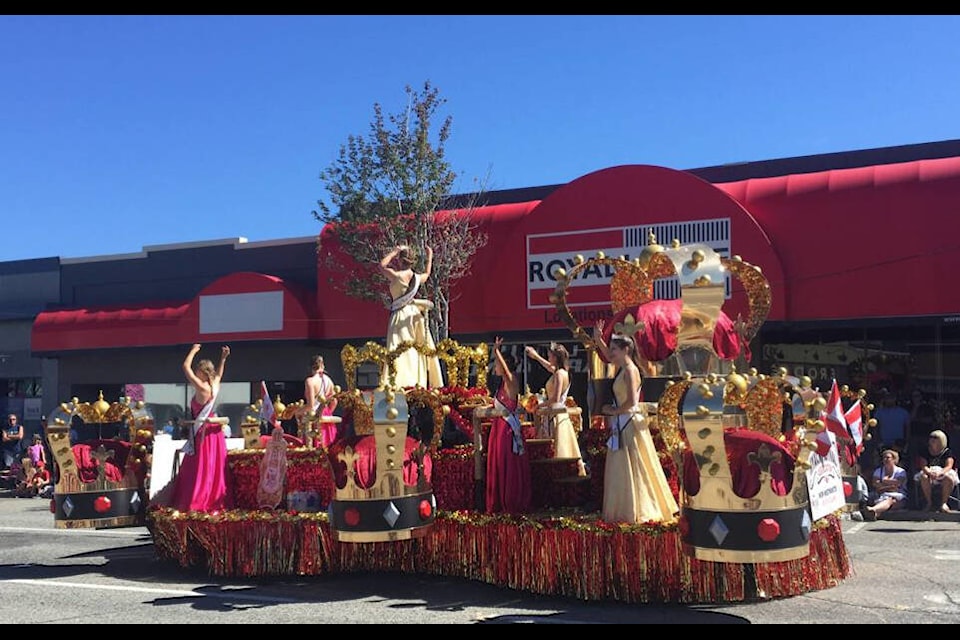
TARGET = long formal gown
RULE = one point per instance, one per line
(202, 483)
(565, 443)
(508, 484)
(408, 323)
(635, 488)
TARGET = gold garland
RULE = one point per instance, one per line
(353, 402)
(426, 398)
(457, 357)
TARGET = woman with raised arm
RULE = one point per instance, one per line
(508, 488)
(408, 321)
(635, 487)
(202, 483)
(560, 426)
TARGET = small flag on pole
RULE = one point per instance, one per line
(854, 419)
(267, 412)
(834, 418)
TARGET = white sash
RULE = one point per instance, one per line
(408, 295)
(515, 426)
(326, 390)
(188, 448)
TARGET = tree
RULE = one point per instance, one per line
(394, 187)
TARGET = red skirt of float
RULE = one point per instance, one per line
(563, 549)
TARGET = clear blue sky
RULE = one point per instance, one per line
(125, 131)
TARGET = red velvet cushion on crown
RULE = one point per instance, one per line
(365, 471)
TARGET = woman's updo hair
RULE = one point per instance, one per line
(406, 257)
(206, 368)
(622, 341)
(561, 354)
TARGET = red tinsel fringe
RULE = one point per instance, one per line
(574, 557)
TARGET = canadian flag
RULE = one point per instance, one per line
(834, 418)
(267, 412)
(854, 419)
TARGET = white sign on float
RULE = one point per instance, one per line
(825, 478)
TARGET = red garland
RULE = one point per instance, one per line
(572, 557)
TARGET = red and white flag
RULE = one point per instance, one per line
(267, 411)
(854, 419)
(834, 418)
(825, 440)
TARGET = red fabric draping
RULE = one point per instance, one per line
(661, 322)
(366, 465)
(746, 475)
(113, 467)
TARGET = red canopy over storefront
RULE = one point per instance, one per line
(241, 306)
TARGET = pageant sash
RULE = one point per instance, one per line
(514, 423)
(198, 422)
(326, 390)
(408, 295)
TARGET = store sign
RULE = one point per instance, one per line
(548, 252)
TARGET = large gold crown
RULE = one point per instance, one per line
(88, 493)
(387, 507)
(744, 487)
(743, 483)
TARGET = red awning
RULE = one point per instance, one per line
(240, 306)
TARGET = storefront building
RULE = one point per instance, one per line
(858, 248)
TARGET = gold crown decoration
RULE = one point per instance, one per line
(84, 495)
(701, 274)
(743, 485)
(385, 507)
(744, 490)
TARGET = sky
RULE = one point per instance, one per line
(121, 132)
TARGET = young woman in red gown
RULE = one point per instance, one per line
(202, 483)
(508, 488)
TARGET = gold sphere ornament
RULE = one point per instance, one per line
(446, 409)
(782, 372)
(819, 404)
(738, 382)
(392, 413)
(872, 422)
(559, 272)
(578, 259)
(805, 382)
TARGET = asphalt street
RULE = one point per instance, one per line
(903, 572)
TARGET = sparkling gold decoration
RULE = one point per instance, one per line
(758, 293)
(764, 407)
(423, 398)
(651, 249)
(457, 358)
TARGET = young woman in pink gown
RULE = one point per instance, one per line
(508, 488)
(202, 483)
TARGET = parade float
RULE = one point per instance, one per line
(401, 488)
